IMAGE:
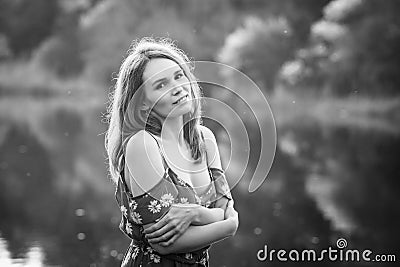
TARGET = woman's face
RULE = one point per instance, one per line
(166, 88)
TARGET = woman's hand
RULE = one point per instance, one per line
(170, 227)
(232, 215)
(197, 236)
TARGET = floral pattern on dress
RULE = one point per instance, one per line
(198, 200)
(133, 204)
(128, 227)
(203, 261)
(136, 217)
(181, 182)
(149, 250)
(155, 258)
(189, 256)
(124, 211)
(220, 183)
(127, 258)
(167, 200)
(135, 252)
(184, 200)
(154, 206)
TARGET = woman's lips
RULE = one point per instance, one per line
(180, 99)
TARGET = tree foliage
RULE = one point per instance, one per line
(353, 49)
(61, 53)
(26, 23)
(110, 27)
(259, 48)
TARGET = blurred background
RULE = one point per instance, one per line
(329, 70)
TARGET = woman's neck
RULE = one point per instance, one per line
(172, 130)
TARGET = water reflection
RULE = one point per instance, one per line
(325, 183)
(33, 257)
(70, 226)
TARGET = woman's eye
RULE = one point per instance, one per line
(160, 85)
(178, 76)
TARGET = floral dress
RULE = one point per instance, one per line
(153, 205)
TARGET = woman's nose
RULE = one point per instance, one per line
(176, 90)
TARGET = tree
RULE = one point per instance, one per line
(259, 48)
(61, 53)
(353, 49)
(26, 23)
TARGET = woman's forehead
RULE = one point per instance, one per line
(158, 68)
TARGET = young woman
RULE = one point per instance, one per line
(171, 189)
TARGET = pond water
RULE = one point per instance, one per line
(326, 183)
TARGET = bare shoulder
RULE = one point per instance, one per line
(208, 134)
(141, 142)
(144, 162)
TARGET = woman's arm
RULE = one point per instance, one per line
(197, 237)
(213, 159)
(177, 220)
(144, 163)
(208, 215)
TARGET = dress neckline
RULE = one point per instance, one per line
(166, 172)
(189, 185)
(169, 169)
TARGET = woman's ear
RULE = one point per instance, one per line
(145, 105)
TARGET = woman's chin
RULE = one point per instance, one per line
(181, 109)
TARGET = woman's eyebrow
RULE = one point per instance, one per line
(163, 79)
(159, 80)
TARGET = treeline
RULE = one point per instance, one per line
(352, 50)
(338, 47)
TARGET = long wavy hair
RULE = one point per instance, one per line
(124, 113)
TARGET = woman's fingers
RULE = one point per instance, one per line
(165, 228)
(168, 234)
(158, 225)
(230, 212)
(229, 209)
(170, 241)
(176, 233)
(177, 211)
(164, 237)
(170, 226)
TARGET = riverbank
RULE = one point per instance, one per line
(354, 111)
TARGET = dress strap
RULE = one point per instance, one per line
(161, 152)
(122, 173)
(202, 135)
(205, 150)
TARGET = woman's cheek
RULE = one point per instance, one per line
(163, 107)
